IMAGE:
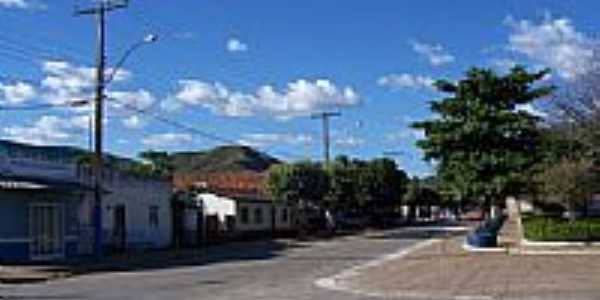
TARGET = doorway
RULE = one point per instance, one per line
(119, 231)
(46, 231)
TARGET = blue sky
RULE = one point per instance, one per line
(252, 72)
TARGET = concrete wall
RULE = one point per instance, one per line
(139, 196)
(213, 204)
(266, 209)
(222, 207)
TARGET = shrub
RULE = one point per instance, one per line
(538, 228)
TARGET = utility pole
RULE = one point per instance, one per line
(325, 116)
(100, 11)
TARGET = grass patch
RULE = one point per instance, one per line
(538, 228)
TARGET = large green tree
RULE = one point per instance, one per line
(482, 143)
(297, 183)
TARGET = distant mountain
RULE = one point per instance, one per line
(222, 159)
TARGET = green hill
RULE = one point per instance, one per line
(222, 159)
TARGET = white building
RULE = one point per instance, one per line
(136, 211)
(232, 216)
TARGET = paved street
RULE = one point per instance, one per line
(257, 271)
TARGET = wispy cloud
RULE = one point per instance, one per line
(47, 130)
(434, 53)
(553, 42)
(300, 98)
(349, 142)
(163, 140)
(235, 45)
(14, 3)
(260, 140)
(17, 93)
(405, 80)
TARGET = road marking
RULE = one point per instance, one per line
(335, 282)
(332, 282)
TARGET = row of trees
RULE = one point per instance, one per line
(342, 185)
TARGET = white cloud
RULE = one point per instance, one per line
(128, 100)
(167, 140)
(14, 3)
(269, 139)
(47, 130)
(405, 80)
(301, 97)
(66, 82)
(17, 93)
(435, 54)
(503, 64)
(235, 45)
(349, 142)
(134, 122)
(406, 134)
(531, 109)
(80, 122)
(554, 43)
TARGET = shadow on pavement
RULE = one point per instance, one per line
(225, 253)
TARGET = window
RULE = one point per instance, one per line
(244, 215)
(258, 215)
(284, 215)
(153, 216)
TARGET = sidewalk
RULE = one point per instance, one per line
(443, 270)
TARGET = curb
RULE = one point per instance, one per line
(556, 252)
(526, 242)
(472, 249)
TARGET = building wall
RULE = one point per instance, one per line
(223, 207)
(148, 216)
(213, 205)
(254, 224)
(15, 236)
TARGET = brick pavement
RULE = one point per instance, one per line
(443, 270)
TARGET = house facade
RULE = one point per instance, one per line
(222, 216)
(47, 202)
(136, 211)
(39, 201)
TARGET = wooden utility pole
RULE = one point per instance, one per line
(325, 116)
(104, 6)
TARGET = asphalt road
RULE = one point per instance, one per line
(261, 270)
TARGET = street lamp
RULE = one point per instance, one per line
(148, 39)
(101, 83)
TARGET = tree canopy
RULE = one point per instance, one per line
(343, 184)
(482, 142)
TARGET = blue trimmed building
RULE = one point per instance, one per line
(47, 205)
(40, 199)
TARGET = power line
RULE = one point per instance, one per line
(191, 129)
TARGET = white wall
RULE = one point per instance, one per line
(266, 223)
(138, 195)
(213, 204)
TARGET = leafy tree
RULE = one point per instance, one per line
(342, 194)
(296, 183)
(481, 141)
(419, 193)
(381, 184)
(160, 163)
(365, 185)
(570, 182)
